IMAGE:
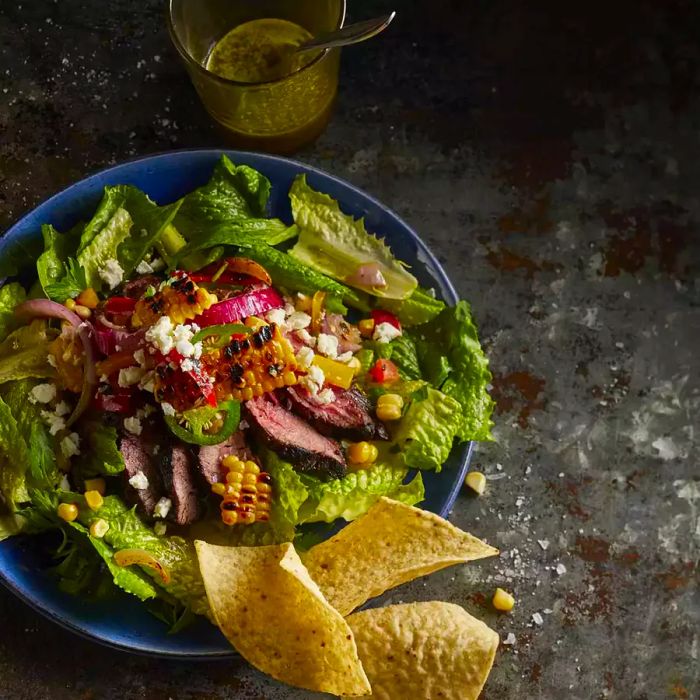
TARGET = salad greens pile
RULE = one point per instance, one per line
(443, 374)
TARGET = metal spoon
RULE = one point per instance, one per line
(351, 34)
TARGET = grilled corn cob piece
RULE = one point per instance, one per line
(246, 494)
(181, 299)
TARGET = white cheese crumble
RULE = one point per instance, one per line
(168, 409)
(327, 345)
(160, 528)
(70, 445)
(51, 359)
(139, 481)
(306, 337)
(143, 268)
(42, 393)
(162, 508)
(187, 365)
(62, 409)
(345, 357)
(160, 334)
(276, 316)
(182, 336)
(157, 264)
(164, 336)
(325, 396)
(314, 380)
(112, 273)
(298, 320)
(385, 332)
(55, 423)
(305, 357)
(140, 357)
(133, 425)
(130, 376)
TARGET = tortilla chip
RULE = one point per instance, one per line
(424, 650)
(276, 617)
(391, 544)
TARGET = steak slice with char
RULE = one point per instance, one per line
(139, 456)
(295, 440)
(210, 456)
(177, 466)
(347, 416)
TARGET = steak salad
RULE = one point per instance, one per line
(200, 370)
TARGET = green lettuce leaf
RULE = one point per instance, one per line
(420, 307)
(57, 268)
(425, 433)
(128, 531)
(402, 352)
(18, 254)
(14, 458)
(354, 494)
(452, 360)
(336, 244)
(10, 295)
(100, 452)
(25, 352)
(70, 285)
(295, 276)
(112, 201)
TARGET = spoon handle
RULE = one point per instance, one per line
(350, 34)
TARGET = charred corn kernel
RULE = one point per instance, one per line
(99, 528)
(251, 467)
(336, 373)
(263, 488)
(67, 512)
(88, 298)
(247, 394)
(246, 516)
(366, 326)
(389, 407)
(254, 322)
(69, 304)
(218, 489)
(354, 364)
(289, 378)
(261, 516)
(94, 500)
(241, 494)
(279, 382)
(267, 385)
(231, 461)
(502, 600)
(476, 481)
(229, 517)
(362, 453)
(98, 485)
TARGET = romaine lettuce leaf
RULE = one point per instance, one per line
(112, 200)
(452, 360)
(100, 454)
(420, 307)
(14, 458)
(24, 353)
(57, 276)
(10, 295)
(354, 494)
(337, 245)
(425, 433)
(70, 285)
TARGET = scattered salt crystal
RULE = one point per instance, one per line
(537, 618)
(543, 543)
(499, 466)
(561, 569)
(510, 639)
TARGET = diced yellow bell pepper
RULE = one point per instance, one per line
(336, 373)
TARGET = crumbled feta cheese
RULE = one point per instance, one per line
(51, 359)
(306, 337)
(187, 365)
(275, 316)
(162, 508)
(385, 332)
(298, 320)
(70, 445)
(143, 268)
(112, 273)
(314, 380)
(561, 569)
(130, 376)
(327, 345)
(55, 423)
(537, 618)
(140, 357)
(182, 336)
(160, 528)
(157, 264)
(139, 481)
(305, 357)
(133, 425)
(168, 409)
(289, 307)
(160, 334)
(62, 409)
(42, 393)
(325, 396)
(345, 357)
(510, 639)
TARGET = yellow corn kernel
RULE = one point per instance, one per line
(229, 517)
(232, 491)
(246, 515)
(278, 381)
(251, 467)
(94, 500)
(289, 378)
(218, 489)
(366, 326)
(99, 528)
(69, 304)
(254, 322)
(234, 477)
(362, 453)
(476, 481)
(250, 478)
(267, 385)
(67, 512)
(249, 378)
(389, 407)
(98, 485)
(502, 600)
(262, 516)
(231, 461)
(258, 390)
(247, 394)
(264, 488)
(88, 298)
(354, 364)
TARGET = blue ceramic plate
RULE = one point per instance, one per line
(125, 624)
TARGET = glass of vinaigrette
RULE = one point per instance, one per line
(240, 57)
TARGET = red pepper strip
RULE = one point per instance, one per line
(120, 305)
(253, 303)
(384, 372)
(380, 316)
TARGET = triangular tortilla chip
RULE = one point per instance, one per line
(391, 544)
(271, 611)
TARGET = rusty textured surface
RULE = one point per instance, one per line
(550, 156)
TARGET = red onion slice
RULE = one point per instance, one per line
(45, 308)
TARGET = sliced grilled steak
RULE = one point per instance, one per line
(209, 462)
(139, 456)
(347, 416)
(177, 466)
(295, 440)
